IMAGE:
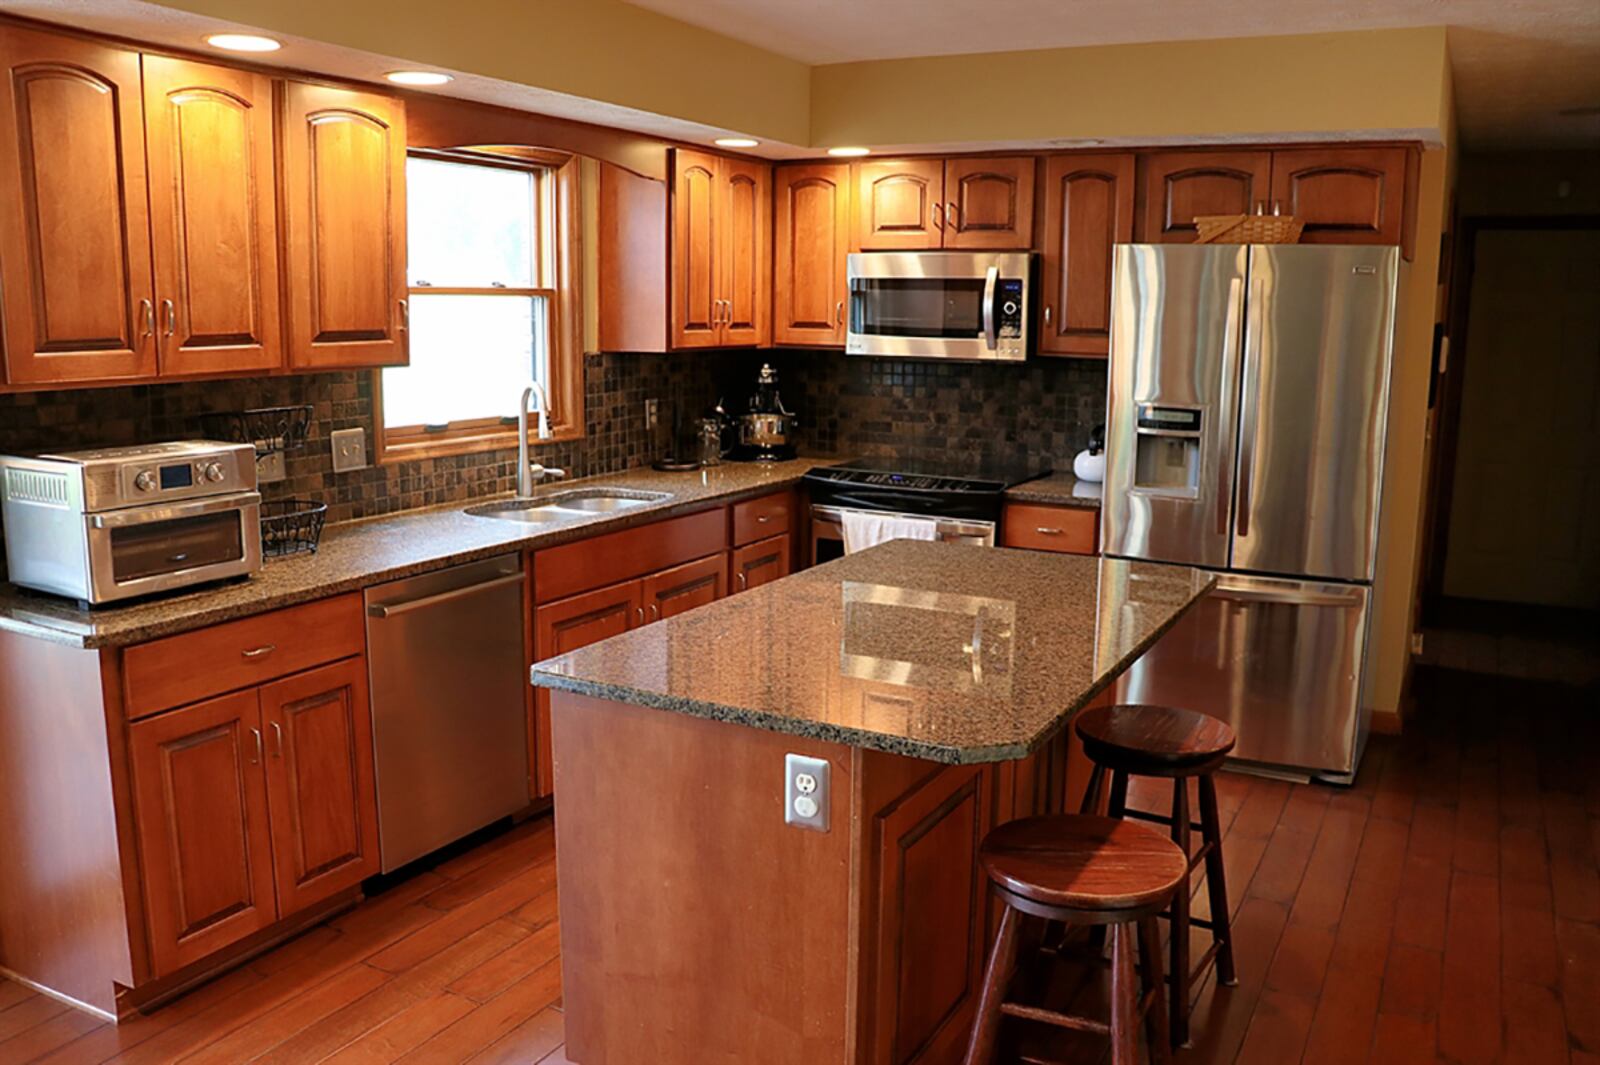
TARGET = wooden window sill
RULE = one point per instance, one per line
(412, 448)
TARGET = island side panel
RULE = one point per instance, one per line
(696, 927)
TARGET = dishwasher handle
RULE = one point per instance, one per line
(405, 606)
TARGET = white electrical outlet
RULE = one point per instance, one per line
(805, 792)
(651, 408)
(349, 449)
(269, 468)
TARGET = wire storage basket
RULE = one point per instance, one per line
(1247, 229)
(290, 526)
(270, 429)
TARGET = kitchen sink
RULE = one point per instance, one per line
(520, 510)
(601, 504)
(561, 506)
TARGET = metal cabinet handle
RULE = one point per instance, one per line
(171, 314)
(743, 582)
(838, 312)
(1045, 530)
(763, 518)
(148, 310)
(952, 216)
(277, 740)
(936, 218)
(1047, 315)
(405, 315)
(259, 652)
(257, 734)
(655, 612)
(1261, 207)
(640, 611)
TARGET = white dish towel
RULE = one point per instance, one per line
(862, 530)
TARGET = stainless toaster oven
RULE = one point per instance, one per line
(113, 523)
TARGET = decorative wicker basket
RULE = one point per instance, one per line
(1248, 229)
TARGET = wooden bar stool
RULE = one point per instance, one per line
(1159, 741)
(1083, 870)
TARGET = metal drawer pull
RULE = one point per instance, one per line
(655, 611)
(257, 734)
(764, 518)
(743, 582)
(389, 610)
(277, 740)
(1044, 530)
(640, 611)
(259, 652)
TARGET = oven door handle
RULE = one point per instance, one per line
(991, 281)
(951, 526)
(145, 515)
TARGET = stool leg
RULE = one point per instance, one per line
(1118, 805)
(1091, 796)
(1002, 960)
(1155, 1020)
(1124, 997)
(1180, 918)
(1216, 882)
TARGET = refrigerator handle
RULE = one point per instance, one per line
(1230, 344)
(1247, 423)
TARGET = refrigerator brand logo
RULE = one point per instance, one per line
(1363, 269)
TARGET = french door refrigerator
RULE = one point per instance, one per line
(1247, 404)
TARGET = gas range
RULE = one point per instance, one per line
(941, 489)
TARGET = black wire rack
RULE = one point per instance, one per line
(270, 429)
(291, 526)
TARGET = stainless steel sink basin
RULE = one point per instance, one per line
(561, 506)
(520, 510)
(601, 504)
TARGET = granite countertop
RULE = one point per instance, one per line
(1060, 489)
(361, 553)
(950, 653)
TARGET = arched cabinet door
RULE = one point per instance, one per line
(75, 279)
(745, 264)
(344, 205)
(1088, 210)
(213, 217)
(696, 306)
(1343, 195)
(989, 202)
(1180, 186)
(900, 204)
(812, 210)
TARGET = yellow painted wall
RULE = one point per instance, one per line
(1323, 84)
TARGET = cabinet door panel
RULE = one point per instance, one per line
(344, 157)
(813, 243)
(1088, 210)
(745, 264)
(989, 202)
(900, 204)
(201, 799)
(1344, 195)
(213, 216)
(695, 310)
(1178, 186)
(566, 625)
(75, 275)
(685, 587)
(318, 727)
(760, 563)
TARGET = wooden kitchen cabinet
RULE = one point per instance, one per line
(320, 787)
(944, 203)
(762, 562)
(213, 217)
(1088, 210)
(1344, 195)
(344, 226)
(812, 246)
(684, 587)
(1175, 187)
(1066, 530)
(721, 266)
(76, 288)
(200, 793)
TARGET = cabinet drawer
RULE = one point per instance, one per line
(194, 665)
(757, 519)
(612, 557)
(1069, 530)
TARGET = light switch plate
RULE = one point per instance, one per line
(349, 449)
(806, 792)
(269, 468)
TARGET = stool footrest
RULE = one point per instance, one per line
(1058, 1020)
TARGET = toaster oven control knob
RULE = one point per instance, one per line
(213, 472)
(145, 481)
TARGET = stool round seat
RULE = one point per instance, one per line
(1082, 862)
(1157, 737)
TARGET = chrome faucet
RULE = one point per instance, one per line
(525, 479)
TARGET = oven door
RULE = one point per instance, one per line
(827, 531)
(944, 305)
(153, 549)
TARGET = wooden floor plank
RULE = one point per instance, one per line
(492, 1021)
(529, 1041)
(404, 1032)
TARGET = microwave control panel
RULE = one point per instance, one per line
(1008, 316)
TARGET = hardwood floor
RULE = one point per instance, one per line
(1444, 909)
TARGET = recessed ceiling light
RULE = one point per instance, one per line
(418, 77)
(243, 42)
(849, 151)
(735, 142)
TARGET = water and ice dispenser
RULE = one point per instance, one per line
(1167, 450)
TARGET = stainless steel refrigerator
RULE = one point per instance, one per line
(1247, 404)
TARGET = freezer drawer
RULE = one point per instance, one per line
(1279, 660)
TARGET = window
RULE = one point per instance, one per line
(491, 276)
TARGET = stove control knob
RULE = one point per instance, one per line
(145, 481)
(213, 472)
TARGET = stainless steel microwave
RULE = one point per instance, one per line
(941, 305)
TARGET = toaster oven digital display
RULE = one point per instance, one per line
(177, 476)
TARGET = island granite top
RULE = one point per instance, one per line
(949, 653)
(357, 554)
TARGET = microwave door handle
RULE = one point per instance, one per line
(991, 281)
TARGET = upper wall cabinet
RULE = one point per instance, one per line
(812, 208)
(75, 279)
(1088, 210)
(939, 203)
(1179, 186)
(213, 217)
(721, 251)
(344, 224)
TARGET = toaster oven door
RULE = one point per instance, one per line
(151, 549)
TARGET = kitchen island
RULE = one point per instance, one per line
(931, 683)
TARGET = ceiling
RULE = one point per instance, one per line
(1517, 63)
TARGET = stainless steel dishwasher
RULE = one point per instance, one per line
(445, 651)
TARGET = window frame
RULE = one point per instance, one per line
(558, 225)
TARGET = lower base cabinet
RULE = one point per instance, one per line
(252, 807)
(759, 563)
(1065, 530)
